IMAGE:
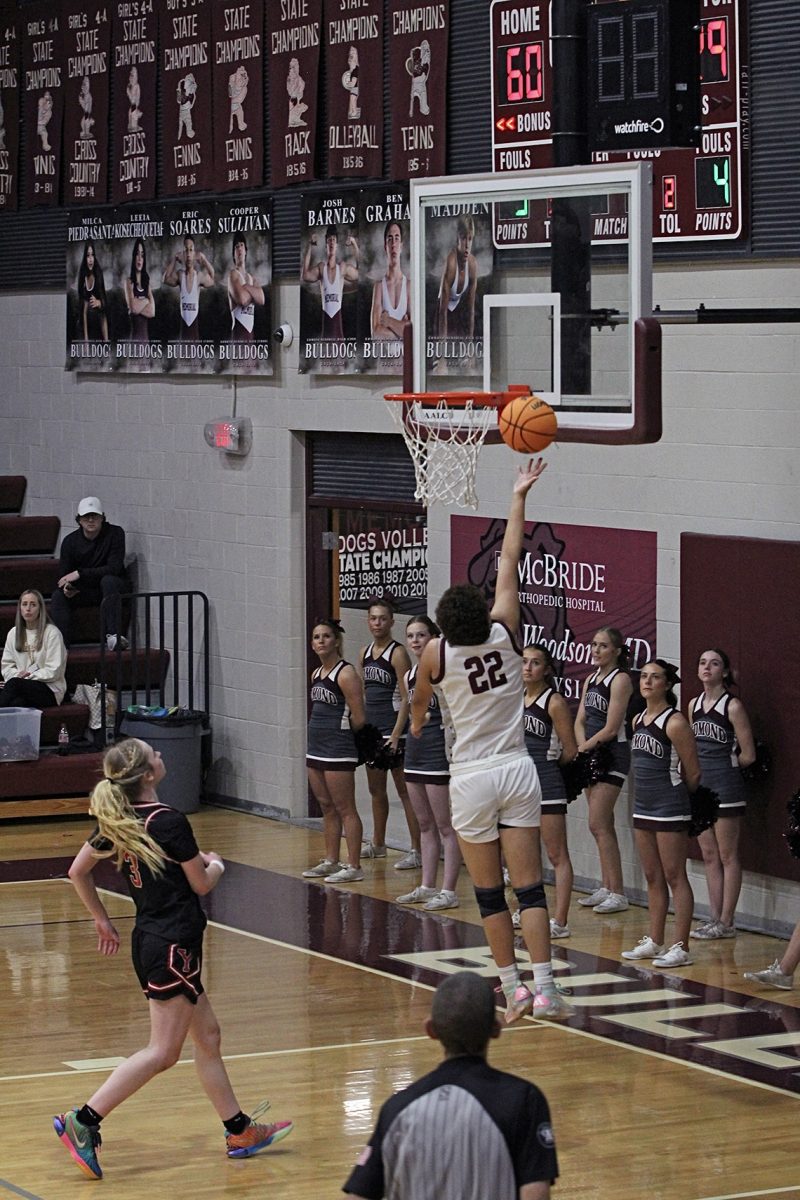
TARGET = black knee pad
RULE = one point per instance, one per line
(491, 901)
(531, 897)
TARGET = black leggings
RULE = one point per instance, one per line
(26, 693)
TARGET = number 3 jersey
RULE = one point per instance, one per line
(484, 692)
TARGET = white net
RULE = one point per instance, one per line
(444, 442)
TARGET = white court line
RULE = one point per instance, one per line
(747, 1195)
(540, 1026)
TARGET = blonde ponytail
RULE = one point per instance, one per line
(124, 768)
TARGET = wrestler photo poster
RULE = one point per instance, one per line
(573, 580)
(330, 275)
(459, 267)
(244, 271)
(89, 287)
(385, 297)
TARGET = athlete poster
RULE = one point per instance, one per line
(136, 257)
(86, 40)
(573, 580)
(418, 36)
(187, 137)
(293, 29)
(244, 258)
(459, 263)
(354, 55)
(9, 108)
(191, 304)
(330, 273)
(134, 79)
(92, 307)
(43, 100)
(386, 274)
(238, 43)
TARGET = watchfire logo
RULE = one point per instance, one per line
(638, 126)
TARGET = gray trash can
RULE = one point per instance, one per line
(179, 739)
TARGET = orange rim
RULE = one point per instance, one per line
(452, 399)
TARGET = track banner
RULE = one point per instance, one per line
(293, 47)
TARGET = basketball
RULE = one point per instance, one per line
(527, 424)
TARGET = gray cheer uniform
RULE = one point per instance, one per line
(541, 742)
(595, 705)
(426, 757)
(661, 801)
(331, 745)
(381, 691)
(718, 752)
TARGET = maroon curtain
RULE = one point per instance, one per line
(134, 79)
(293, 36)
(9, 107)
(43, 101)
(187, 131)
(418, 40)
(238, 40)
(354, 50)
(86, 42)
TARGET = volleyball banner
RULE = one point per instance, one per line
(43, 101)
(187, 130)
(418, 42)
(459, 266)
(354, 58)
(573, 580)
(293, 44)
(134, 80)
(86, 41)
(9, 108)
(238, 45)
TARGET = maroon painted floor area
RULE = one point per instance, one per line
(367, 932)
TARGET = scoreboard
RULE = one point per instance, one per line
(700, 194)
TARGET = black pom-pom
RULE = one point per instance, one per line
(761, 767)
(576, 776)
(793, 840)
(600, 760)
(705, 810)
(386, 759)
(369, 740)
(794, 810)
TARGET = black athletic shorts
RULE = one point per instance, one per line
(165, 969)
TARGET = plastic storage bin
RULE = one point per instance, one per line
(19, 734)
(179, 739)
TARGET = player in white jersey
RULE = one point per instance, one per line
(189, 271)
(244, 293)
(391, 297)
(332, 275)
(494, 788)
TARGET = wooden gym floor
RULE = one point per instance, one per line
(665, 1085)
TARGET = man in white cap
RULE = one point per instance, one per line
(92, 567)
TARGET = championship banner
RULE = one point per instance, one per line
(382, 554)
(137, 258)
(293, 38)
(187, 131)
(418, 44)
(9, 108)
(134, 80)
(91, 307)
(188, 297)
(244, 255)
(329, 292)
(573, 580)
(386, 273)
(43, 101)
(354, 55)
(459, 262)
(86, 41)
(238, 43)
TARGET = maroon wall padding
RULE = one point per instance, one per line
(28, 535)
(12, 492)
(740, 595)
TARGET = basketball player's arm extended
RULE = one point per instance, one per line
(423, 688)
(679, 732)
(506, 595)
(80, 876)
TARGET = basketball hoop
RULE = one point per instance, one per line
(444, 433)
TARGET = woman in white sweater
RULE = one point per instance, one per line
(34, 658)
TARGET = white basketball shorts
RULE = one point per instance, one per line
(496, 791)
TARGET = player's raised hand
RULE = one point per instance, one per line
(527, 476)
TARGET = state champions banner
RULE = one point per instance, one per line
(573, 580)
(134, 83)
(354, 58)
(43, 101)
(238, 54)
(187, 129)
(418, 37)
(9, 107)
(86, 49)
(171, 288)
(293, 34)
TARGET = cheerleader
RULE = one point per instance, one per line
(665, 771)
(601, 721)
(550, 739)
(724, 744)
(781, 973)
(337, 709)
(427, 776)
(383, 663)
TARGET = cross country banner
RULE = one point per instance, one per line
(385, 307)
(244, 261)
(330, 277)
(134, 78)
(459, 265)
(187, 130)
(43, 101)
(9, 108)
(293, 29)
(86, 41)
(418, 40)
(354, 57)
(238, 46)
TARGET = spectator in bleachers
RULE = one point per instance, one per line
(34, 658)
(93, 567)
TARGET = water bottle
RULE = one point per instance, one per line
(63, 740)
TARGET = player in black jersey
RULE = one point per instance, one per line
(154, 847)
